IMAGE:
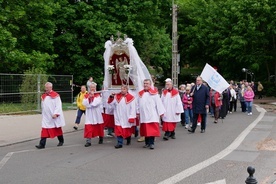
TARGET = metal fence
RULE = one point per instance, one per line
(21, 93)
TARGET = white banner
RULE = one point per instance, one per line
(214, 79)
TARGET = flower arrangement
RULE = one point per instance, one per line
(127, 68)
(110, 69)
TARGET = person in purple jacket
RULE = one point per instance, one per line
(248, 98)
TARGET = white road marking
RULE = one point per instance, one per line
(5, 159)
(218, 182)
(9, 155)
(234, 145)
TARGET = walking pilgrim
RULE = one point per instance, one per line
(124, 107)
(173, 105)
(201, 101)
(52, 116)
(150, 108)
(94, 125)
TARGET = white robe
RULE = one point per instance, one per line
(51, 106)
(123, 112)
(172, 106)
(150, 108)
(93, 113)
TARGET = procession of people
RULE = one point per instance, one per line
(150, 110)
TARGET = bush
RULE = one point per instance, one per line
(269, 89)
(29, 86)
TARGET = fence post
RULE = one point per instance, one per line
(251, 179)
(38, 92)
(72, 89)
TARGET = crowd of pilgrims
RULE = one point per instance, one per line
(124, 114)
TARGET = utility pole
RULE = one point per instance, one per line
(175, 69)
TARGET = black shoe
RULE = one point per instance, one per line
(60, 144)
(165, 138)
(202, 131)
(173, 136)
(191, 131)
(40, 147)
(151, 146)
(146, 146)
(76, 128)
(87, 144)
(101, 140)
(215, 122)
(118, 146)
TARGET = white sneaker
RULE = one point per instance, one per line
(198, 124)
(187, 126)
(250, 113)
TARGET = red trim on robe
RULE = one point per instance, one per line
(131, 120)
(137, 119)
(173, 92)
(150, 129)
(168, 126)
(151, 91)
(90, 99)
(109, 121)
(110, 100)
(91, 131)
(52, 94)
(128, 97)
(51, 132)
(124, 132)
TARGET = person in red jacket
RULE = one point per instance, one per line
(215, 102)
(188, 107)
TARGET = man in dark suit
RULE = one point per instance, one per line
(201, 101)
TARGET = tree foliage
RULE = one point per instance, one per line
(231, 34)
(68, 36)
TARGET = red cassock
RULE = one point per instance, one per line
(108, 120)
(51, 132)
(95, 130)
(168, 126)
(150, 129)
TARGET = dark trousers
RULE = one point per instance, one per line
(149, 140)
(169, 134)
(183, 119)
(243, 106)
(43, 140)
(233, 104)
(203, 121)
(79, 114)
(215, 111)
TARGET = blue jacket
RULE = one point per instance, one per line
(200, 99)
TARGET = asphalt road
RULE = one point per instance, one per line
(102, 164)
